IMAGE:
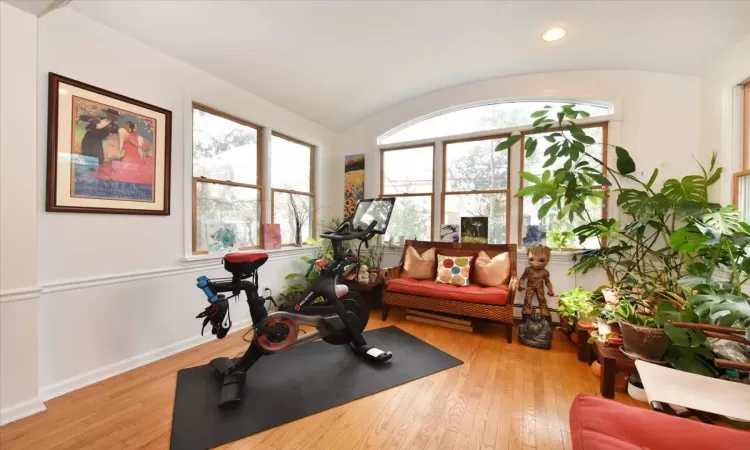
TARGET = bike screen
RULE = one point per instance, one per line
(377, 209)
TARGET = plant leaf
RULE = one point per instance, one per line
(625, 164)
(508, 143)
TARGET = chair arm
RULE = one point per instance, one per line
(512, 289)
(391, 273)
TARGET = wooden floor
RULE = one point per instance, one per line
(504, 396)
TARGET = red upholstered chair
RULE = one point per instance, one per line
(601, 424)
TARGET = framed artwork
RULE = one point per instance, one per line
(450, 233)
(354, 183)
(271, 236)
(474, 230)
(106, 153)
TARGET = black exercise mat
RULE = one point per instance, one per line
(295, 384)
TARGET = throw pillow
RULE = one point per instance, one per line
(491, 271)
(453, 270)
(420, 267)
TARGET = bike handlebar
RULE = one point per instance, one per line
(340, 235)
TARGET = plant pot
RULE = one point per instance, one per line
(586, 325)
(635, 388)
(644, 342)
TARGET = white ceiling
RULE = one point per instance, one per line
(337, 62)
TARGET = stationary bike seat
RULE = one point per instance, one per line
(244, 264)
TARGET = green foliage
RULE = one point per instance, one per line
(560, 239)
(577, 304)
(626, 312)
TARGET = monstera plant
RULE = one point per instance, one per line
(662, 253)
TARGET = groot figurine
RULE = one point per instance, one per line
(536, 277)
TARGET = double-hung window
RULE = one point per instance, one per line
(227, 193)
(741, 182)
(407, 174)
(292, 188)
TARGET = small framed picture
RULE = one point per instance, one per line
(106, 153)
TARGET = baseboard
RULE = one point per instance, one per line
(94, 376)
(21, 410)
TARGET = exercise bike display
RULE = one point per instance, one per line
(339, 319)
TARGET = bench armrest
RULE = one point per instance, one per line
(391, 273)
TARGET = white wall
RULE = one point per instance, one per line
(115, 292)
(18, 219)
(658, 122)
(721, 112)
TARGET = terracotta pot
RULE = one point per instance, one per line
(586, 325)
(644, 342)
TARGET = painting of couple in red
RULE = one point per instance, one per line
(113, 152)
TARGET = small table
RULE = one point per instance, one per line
(612, 361)
(373, 292)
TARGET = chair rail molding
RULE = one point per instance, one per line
(14, 295)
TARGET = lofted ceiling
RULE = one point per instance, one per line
(337, 62)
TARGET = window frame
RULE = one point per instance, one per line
(605, 155)
(311, 193)
(507, 191)
(745, 169)
(415, 194)
(195, 180)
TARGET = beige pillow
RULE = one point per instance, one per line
(419, 267)
(491, 271)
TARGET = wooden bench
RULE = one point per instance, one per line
(501, 312)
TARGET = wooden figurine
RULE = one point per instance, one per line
(536, 278)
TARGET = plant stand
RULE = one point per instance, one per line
(372, 292)
(612, 361)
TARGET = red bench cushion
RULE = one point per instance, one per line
(428, 288)
(600, 424)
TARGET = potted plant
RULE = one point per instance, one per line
(560, 239)
(642, 338)
(575, 305)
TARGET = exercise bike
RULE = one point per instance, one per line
(338, 319)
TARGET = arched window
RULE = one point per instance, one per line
(484, 117)
(458, 147)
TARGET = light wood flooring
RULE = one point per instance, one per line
(504, 396)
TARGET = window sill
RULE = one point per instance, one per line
(285, 252)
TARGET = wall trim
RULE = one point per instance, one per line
(21, 410)
(102, 373)
(14, 295)
(202, 265)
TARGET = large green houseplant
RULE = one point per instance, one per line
(647, 253)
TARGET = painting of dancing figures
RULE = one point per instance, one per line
(114, 157)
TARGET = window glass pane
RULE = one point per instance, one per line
(411, 218)
(550, 222)
(291, 211)
(407, 171)
(491, 206)
(481, 118)
(223, 149)
(535, 162)
(743, 199)
(227, 217)
(290, 165)
(475, 166)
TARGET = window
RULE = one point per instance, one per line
(292, 188)
(475, 183)
(475, 178)
(480, 118)
(529, 212)
(406, 173)
(227, 210)
(741, 182)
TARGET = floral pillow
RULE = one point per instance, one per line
(453, 269)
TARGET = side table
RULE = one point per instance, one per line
(372, 292)
(612, 361)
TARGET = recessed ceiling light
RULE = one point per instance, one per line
(553, 34)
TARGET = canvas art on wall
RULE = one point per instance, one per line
(354, 183)
(107, 153)
(449, 233)
(474, 230)
(271, 236)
